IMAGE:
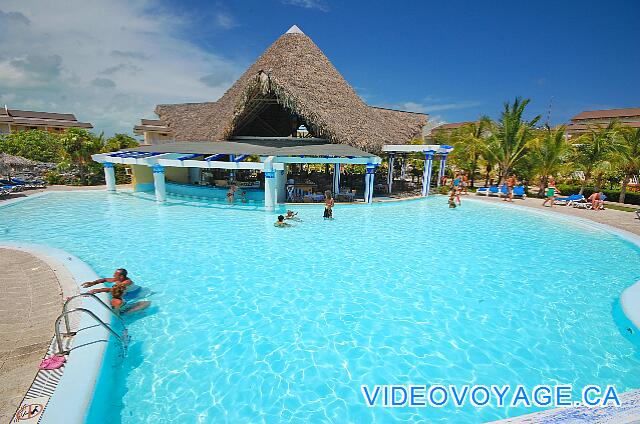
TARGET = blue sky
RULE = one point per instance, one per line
(454, 60)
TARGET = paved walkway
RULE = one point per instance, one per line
(30, 301)
(624, 220)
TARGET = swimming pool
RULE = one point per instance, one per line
(253, 323)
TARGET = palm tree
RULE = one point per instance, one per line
(511, 137)
(548, 153)
(592, 150)
(470, 142)
(627, 152)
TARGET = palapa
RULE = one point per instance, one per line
(294, 75)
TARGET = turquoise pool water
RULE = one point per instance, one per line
(253, 323)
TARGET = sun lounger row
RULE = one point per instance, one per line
(18, 185)
(577, 201)
(518, 191)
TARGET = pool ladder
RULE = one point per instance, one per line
(123, 338)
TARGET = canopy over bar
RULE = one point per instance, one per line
(412, 148)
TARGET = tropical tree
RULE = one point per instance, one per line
(119, 142)
(548, 153)
(41, 146)
(470, 143)
(511, 136)
(77, 147)
(627, 155)
(592, 151)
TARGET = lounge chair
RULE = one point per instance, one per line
(30, 183)
(520, 192)
(638, 213)
(483, 191)
(495, 191)
(569, 200)
(582, 204)
(15, 187)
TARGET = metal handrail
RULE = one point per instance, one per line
(94, 316)
(66, 303)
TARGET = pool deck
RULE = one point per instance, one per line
(627, 221)
(30, 301)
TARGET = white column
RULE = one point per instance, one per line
(392, 159)
(336, 178)
(232, 173)
(281, 180)
(194, 175)
(443, 164)
(270, 195)
(426, 174)
(403, 169)
(158, 182)
(368, 182)
(109, 176)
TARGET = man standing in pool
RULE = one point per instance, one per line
(328, 205)
(120, 279)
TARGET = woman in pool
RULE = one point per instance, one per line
(328, 205)
(231, 193)
(552, 191)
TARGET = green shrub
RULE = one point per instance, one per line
(37, 145)
(54, 178)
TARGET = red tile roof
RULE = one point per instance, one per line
(607, 113)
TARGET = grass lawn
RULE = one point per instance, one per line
(621, 208)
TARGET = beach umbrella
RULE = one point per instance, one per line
(9, 162)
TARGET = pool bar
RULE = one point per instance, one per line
(181, 163)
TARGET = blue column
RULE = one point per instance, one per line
(426, 174)
(368, 182)
(336, 178)
(392, 157)
(443, 164)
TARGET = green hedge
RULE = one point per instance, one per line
(612, 195)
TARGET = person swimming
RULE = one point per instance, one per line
(120, 277)
(291, 215)
(119, 303)
(280, 222)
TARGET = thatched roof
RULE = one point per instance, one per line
(15, 161)
(294, 73)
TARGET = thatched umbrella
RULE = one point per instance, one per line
(293, 83)
(9, 163)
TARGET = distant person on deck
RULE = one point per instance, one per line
(597, 201)
(552, 191)
(465, 183)
(328, 205)
(511, 183)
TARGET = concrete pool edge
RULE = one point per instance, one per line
(72, 397)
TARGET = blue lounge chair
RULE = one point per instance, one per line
(569, 200)
(483, 190)
(520, 192)
(494, 190)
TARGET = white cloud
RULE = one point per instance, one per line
(308, 4)
(109, 62)
(428, 107)
(225, 20)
